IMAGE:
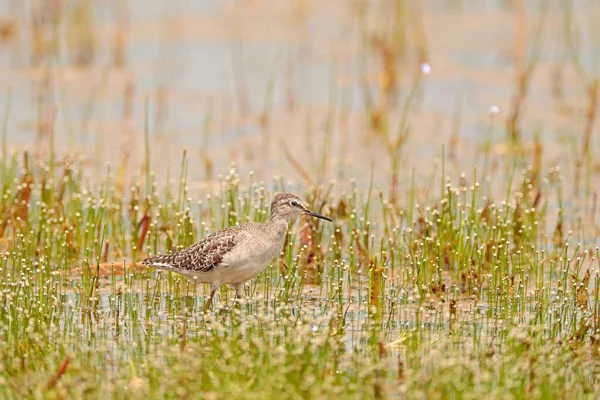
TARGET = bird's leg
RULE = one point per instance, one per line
(239, 293)
(212, 294)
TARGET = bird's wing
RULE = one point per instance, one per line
(202, 256)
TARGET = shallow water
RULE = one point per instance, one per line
(229, 81)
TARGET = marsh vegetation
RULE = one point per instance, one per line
(461, 263)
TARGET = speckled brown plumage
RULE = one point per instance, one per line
(202, 256)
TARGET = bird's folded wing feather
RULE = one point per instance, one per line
(202, 256)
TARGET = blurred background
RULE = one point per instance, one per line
(309, 90)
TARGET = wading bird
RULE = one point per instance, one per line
(236, 254)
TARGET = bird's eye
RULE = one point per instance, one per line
(294, 203)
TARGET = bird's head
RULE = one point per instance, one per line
(288, 206)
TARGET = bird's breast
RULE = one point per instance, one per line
(256, 251)
(264, 251)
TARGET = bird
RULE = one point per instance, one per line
(236, 254)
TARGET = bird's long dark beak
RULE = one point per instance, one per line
(314, 214)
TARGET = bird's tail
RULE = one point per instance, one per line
(166, 261)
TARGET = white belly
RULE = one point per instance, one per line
(245, 262)
(224, 274)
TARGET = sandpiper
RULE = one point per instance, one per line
(236, 254)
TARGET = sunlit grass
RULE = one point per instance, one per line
(458, 294)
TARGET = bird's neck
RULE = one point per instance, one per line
(277, 220)
(278, 225)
